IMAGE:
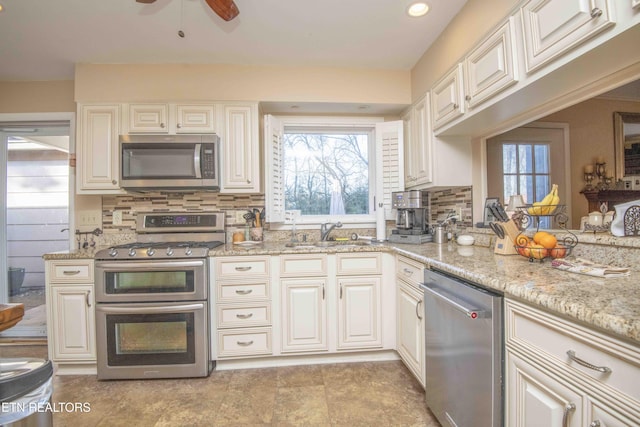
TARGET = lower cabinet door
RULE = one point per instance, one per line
(601, 415)
(304, 315)
(359, 313)
(536, 399)
(411, 331)
(72, 318)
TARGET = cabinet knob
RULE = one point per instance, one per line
(114, 182)
(595, 423)
(179, 126)
(468, 97)
(596, 12)
(248, 181)
(162, 125)
(455, 106)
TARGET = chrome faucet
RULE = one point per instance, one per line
(326, 228)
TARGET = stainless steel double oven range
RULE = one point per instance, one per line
(152, 298)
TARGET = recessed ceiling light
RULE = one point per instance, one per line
(1, 8)
(417, 9)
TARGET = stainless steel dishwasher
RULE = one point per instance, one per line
(464, 356)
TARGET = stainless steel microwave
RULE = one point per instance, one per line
(169, 162)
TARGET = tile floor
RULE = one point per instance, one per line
(353, 394)
(349, 394)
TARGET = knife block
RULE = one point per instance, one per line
(506, 244)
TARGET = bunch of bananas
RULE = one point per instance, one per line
(547, 205)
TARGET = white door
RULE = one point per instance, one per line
(304, 315)
(527, 161)
(359, 313)
(34, 218)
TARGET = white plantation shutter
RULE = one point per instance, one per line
(389, 164)
(274, 176)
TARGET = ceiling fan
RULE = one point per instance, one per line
(226, 9)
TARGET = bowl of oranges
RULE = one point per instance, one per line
(543, 245)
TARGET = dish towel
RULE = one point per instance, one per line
(583, 266)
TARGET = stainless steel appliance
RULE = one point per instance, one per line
(412, 218)
(169, 162)
(464, 358)
(153, 299)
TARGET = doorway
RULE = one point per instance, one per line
(527, 161)
(35, 213)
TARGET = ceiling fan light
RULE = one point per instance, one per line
(417, 9)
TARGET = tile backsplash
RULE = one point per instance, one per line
(444, 200)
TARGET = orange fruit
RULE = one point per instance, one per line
(558, 252)
(538, 251)
(549, 241)
(539, 235)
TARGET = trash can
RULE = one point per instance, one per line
(16, 277)
(26, 386)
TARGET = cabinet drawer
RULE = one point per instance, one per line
(238, 292)
(410, 271)
(552, 338)
(358, 264)
(303, 265)
(237, 316)
(244, 342)
(70, 271)
(242, 267)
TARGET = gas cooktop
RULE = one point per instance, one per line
(171, 235)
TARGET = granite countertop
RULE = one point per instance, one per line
(609, 304)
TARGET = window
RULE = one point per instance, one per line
(526, 170)
(331, 168)
(327, 171)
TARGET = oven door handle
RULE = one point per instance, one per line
(126, 265)
(150, 310)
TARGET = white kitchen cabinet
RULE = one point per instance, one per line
(242, 321)
(553, 28)
(409, 314)
(491, 66)
(241, 149)
(71, 330)
(97, 159)
(447, 97)
(359, 313)
(418, 146)
(171, 118)
(553, 363)
(304, 315)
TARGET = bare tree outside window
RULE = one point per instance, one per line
(327, 173)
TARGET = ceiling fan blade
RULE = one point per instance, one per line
(145, 1)
(226, 9)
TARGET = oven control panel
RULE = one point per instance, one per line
(179, 222)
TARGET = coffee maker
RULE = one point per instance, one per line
(412, 218)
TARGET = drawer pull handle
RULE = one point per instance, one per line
(418, 310)
(408, 272)
(565, 416)
(244, 316)
(595, 423)
(244, 291)
(87, 298)
(245, 343)
(603, 369)
(243, 268)
(71, 272)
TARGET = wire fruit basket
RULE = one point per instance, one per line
(544, 244)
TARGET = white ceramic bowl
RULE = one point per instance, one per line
(465, 240)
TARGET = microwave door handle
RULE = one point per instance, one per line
(196, 161)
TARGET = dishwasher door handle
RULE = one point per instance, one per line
(470, 312)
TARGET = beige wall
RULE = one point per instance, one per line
(475, 20)
(150, 82)
(591, 135)
(37, 97)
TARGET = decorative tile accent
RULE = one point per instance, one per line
(444, 200)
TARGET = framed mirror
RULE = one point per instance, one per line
(626, 137)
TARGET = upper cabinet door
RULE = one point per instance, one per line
(554, 27)
(491, 66)
(148, 118)
(98, 167)
(195, 118)
(447, 98)
(241, 151)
